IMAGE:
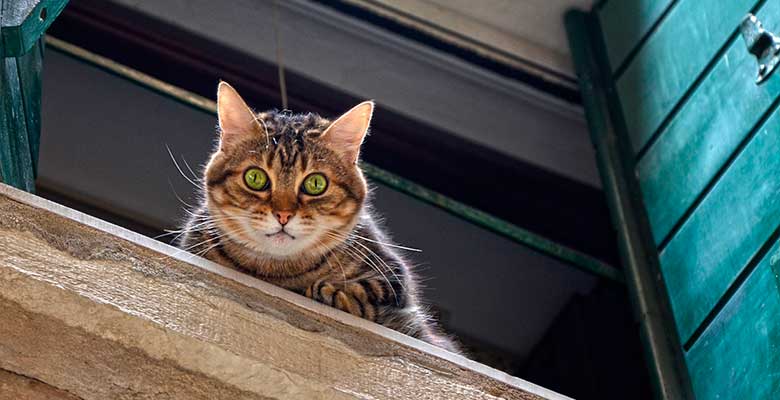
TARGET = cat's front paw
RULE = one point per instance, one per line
(341, 298)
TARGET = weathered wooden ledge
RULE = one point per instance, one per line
(89, 310)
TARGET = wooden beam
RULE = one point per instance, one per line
(100, 312)
(18, 387)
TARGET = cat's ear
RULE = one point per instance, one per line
(236, 119)
(346, 134)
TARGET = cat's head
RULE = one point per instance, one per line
(284, 184)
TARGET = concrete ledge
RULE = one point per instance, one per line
(99, 312)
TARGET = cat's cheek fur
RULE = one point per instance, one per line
(313, 236)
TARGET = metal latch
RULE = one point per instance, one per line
(764, 45)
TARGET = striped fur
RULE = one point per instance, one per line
(333, 250)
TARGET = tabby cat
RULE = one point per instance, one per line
(285, 201)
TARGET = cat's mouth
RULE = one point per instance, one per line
(280, 234)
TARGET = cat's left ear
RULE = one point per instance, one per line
(346, 134)
(236, 119)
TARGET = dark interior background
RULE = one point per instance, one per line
(104, 150)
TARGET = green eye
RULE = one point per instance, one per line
(256, 179)
(315, 184)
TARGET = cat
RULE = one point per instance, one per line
(285, 200)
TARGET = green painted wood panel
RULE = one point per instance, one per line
(705, 132)
(671, 59)
(725, 231)
(30, 69)
(24, 21)
(15, 162)
(625, 23)
(738, 356)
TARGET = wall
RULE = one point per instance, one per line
(529, 29)
(415, 80)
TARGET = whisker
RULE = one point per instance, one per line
(186, 164)
(211, 239)
(204, 251)
(390, 269)
(175, 193)
(357, 255)
(382, 261)
(205, 224)
(371, 264)
(319, 244)
(180, 170)
(386, 244)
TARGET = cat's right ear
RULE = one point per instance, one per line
(236, 119)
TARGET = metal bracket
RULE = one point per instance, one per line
(764, 45)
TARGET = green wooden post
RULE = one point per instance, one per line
(22, 24)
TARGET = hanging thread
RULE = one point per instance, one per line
(279, 61)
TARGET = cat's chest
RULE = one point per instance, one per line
(296, 276)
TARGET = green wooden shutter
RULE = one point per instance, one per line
(22, 23)
(687, 143)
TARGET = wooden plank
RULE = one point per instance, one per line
(705, 132)
(725, 231)
(625, 23)
(671, 59)
(15, 157)
(24, 22)
(102, 312)
(18, 387)
(737, 356)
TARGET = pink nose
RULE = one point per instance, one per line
(283, 216)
